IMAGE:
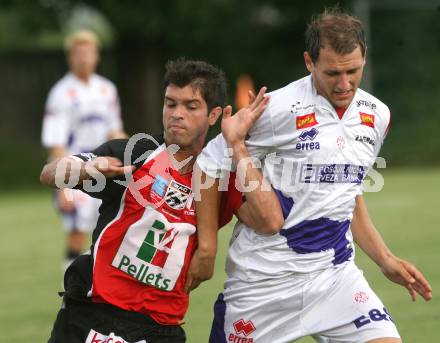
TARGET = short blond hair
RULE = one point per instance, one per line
(81, 37)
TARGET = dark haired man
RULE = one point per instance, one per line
(133, 287)
(322, 134)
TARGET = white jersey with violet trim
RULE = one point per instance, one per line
(80, 116)
(316, 163)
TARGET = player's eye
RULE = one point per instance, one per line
(332, 73)
(192, 106)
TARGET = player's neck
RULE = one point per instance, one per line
(184, 157)
(84, 78)
(182, 160)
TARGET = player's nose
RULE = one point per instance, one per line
(177, 113)
(343, 83)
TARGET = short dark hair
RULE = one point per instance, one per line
(207, 78)
(342, 31)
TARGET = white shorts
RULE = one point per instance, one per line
(334, 305)
(85, 215)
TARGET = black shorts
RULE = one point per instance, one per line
(81, 322)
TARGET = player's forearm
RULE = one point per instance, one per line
(60, 171)
(117, 134)
(262, 201)
(207, 210)
(366, 235)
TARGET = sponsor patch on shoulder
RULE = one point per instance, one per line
(367, 119)
(306, 120)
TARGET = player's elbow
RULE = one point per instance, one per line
(276, 224)
(271, 224)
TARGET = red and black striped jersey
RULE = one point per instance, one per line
(146, 233)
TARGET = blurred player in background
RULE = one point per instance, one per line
(316, 141)
(244, 85)
(82, 111)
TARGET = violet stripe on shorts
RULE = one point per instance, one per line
(218, 324)
(318, 235)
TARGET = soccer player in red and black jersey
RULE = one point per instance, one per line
(134, 285)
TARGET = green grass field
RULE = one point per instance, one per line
(406, 212)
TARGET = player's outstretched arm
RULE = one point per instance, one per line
(395, 269)
(70, 172)
(262, 210)
(64, 196)
(202, 263)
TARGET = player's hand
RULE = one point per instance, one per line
(200, 269)
(236, 127)
(406, 274)
(108, 166)
(65, 200)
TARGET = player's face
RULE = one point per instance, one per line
(185, 117)
(335, 76)
(83, 59)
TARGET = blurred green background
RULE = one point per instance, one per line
(262, 38)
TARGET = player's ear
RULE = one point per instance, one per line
(308, 61)
(365, 56)
(214, 115)
(97, 55)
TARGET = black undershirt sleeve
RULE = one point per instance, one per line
(112, 190)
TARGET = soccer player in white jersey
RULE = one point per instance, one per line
(82, 112)
(315, 142)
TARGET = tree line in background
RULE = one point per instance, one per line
(261, 38)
